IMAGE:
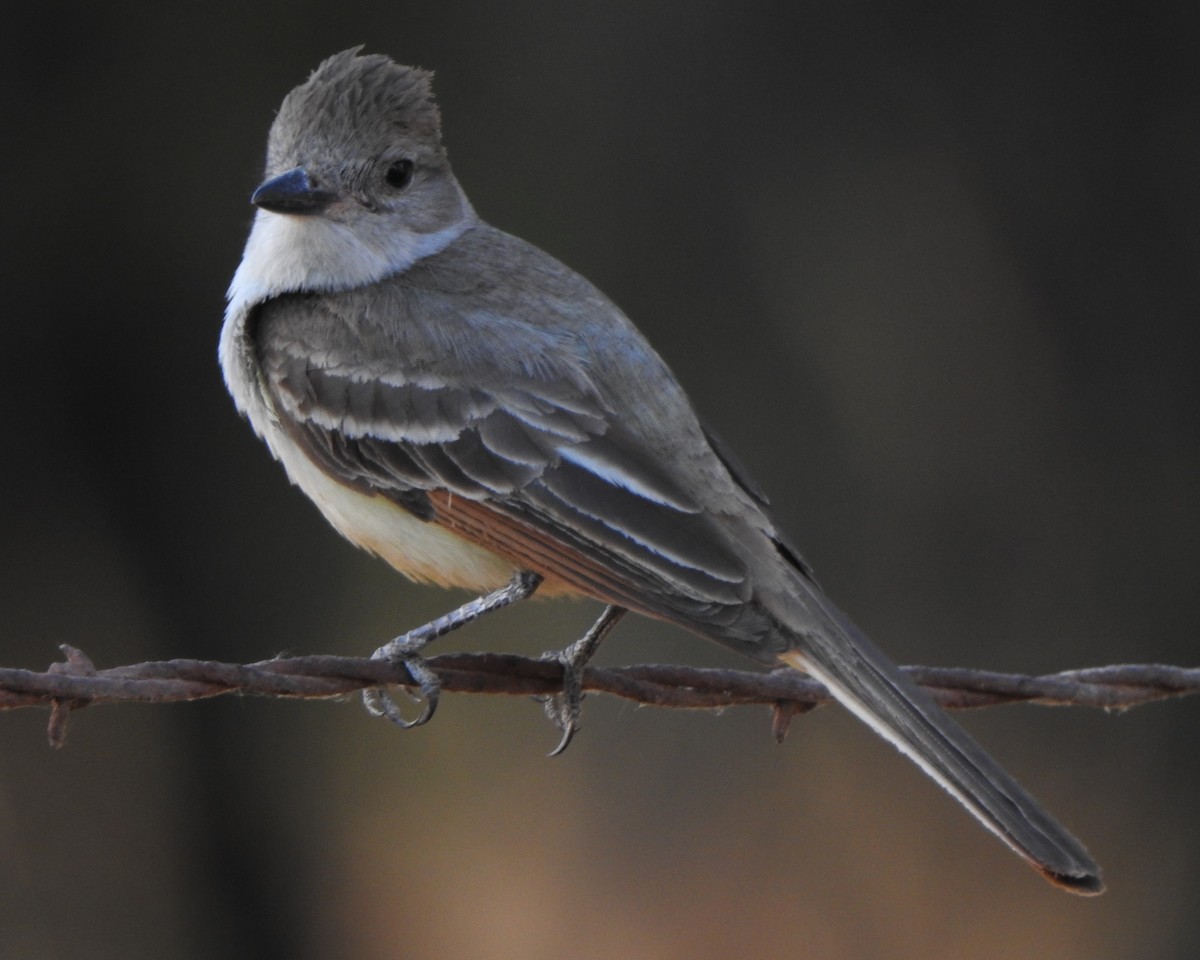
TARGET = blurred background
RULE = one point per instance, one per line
(930, 269)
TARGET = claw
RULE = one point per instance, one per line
(379, 702)
(567, 737)
(564, 708)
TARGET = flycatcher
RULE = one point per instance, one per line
(468, 408)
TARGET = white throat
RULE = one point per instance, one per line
(287, 254)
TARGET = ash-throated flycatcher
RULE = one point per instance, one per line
(466, 407)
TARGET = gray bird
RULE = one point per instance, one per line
(477, 414)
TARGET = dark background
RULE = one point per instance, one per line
(930, 269)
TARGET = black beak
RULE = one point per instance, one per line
(292, 192)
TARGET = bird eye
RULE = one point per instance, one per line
(399, 174)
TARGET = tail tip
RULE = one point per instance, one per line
(1084, 884)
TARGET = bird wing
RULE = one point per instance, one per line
(538, 468)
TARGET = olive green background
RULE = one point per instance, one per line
(930, 268)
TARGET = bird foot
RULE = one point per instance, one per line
(380, 703)
(564, 708)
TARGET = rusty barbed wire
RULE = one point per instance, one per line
(76, 683)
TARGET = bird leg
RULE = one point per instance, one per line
(406, 648)
(563, 708)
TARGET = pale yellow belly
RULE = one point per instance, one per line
(423, 551)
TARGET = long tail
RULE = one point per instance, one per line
(872, 687)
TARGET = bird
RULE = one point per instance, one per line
(478, 415)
